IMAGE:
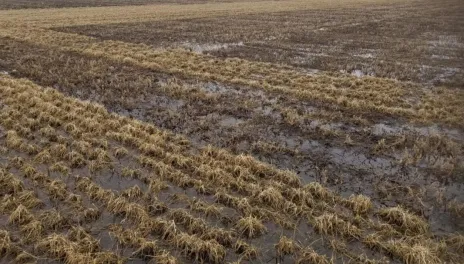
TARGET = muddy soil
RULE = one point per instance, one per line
(391, 160)
(420, 42)
(23, 4)
(246, 120)
(264, 134)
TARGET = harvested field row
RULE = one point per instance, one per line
(396, 41)
(116, 14)
(200, 133)
(344, 92)
(37, 237)
(26, 4)
(88, 141)
(319, 145)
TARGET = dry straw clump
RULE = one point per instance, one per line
(28, 170)
(56, 246)
(403, 219)
(76, 159)
(157, 208)
(24, 257)
(271, 196)
(155, 186)
(146, 250)
(21, 216)
(205, 208)
(43, 157)
(250, 226)
(61, 168)
(360, 204)
(200, 250)
(52, 219)
(120, 152)
(308, 255)
(456, 242)
(132, 193)
(413, 254)
(107, 258)
(85, 242)
(32, 231)
(6, 245)
(164, 257)
(245, 250)
(124, 237)
(130, 173)
(319, 191)
(29, 199)
(286, 246)
(13, 140)
(329, 223)
(193, 225)
(16, 162)
(9, 184)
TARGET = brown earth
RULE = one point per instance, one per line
(193, 157)
(397, 41)
(26, 4)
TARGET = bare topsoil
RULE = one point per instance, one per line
(116, 152)
(25, 4)
(420, 42)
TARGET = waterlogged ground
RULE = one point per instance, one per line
(396, 41)
(339, 152)
(180, 158)
(21, 4)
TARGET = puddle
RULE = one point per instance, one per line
(151, 102)
(310, 71)
(213, 87)
(377, 166)
(270, 38)
(165, 102)
(357, 73)
(324, 126)
(308, 145)
(200, 48)
(384, 129)
(265, 110)
(231, 121)
(447, 41)
(442, 57)
(313, 54)
(445, 73)
(365, 55)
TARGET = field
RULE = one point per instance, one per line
(175, 131)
